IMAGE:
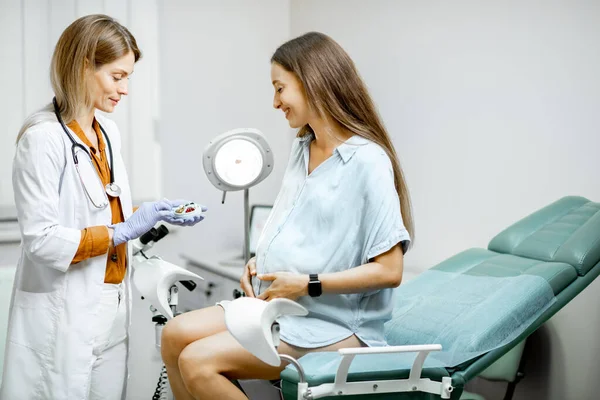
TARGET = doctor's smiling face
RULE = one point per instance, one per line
(289, 96)
(111, 82)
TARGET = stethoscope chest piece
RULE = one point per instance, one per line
(113, 190)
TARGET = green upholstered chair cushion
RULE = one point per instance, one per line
(567, 231)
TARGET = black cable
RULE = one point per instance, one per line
(162, 385)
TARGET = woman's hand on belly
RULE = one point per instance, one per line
(284, 285)
(246, 279)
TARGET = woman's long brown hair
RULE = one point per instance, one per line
(334, 88)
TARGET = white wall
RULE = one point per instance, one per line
(493, 108)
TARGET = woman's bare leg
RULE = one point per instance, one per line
(208, 365)
(179, 333)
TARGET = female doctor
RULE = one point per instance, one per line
(70, 311)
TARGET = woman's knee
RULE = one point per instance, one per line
(195, 365)
(172, 340)
(188, 328)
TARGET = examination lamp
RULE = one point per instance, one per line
(237, 160)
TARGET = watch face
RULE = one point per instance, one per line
(314, 288)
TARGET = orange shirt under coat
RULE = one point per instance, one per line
(94, 240)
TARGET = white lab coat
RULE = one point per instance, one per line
(50, 337)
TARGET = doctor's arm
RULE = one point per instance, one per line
(95, 241)
(384, 271)
(37, 169)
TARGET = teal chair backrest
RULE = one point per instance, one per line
(565, 231)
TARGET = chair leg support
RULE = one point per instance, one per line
(510, 388)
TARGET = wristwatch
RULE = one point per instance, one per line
(314, 286)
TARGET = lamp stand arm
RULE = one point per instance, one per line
(246, 225)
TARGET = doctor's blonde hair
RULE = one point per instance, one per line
(93, 40)
(334, 89)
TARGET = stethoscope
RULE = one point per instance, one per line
(112, 189)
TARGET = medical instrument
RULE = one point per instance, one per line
(237, 160)
(554, 251)
(187, 210)
(111, 189)
(156, 280)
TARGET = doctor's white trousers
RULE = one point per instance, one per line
(110, 349)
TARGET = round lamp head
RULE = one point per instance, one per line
(237, 159)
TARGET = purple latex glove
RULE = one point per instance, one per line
(141, 221)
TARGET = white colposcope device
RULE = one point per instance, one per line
(156, 280)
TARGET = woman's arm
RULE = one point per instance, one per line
(385, 271)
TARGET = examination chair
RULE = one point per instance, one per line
(559, 243)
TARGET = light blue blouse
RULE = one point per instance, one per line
(340, 216)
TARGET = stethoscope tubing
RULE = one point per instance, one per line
(75, 144)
